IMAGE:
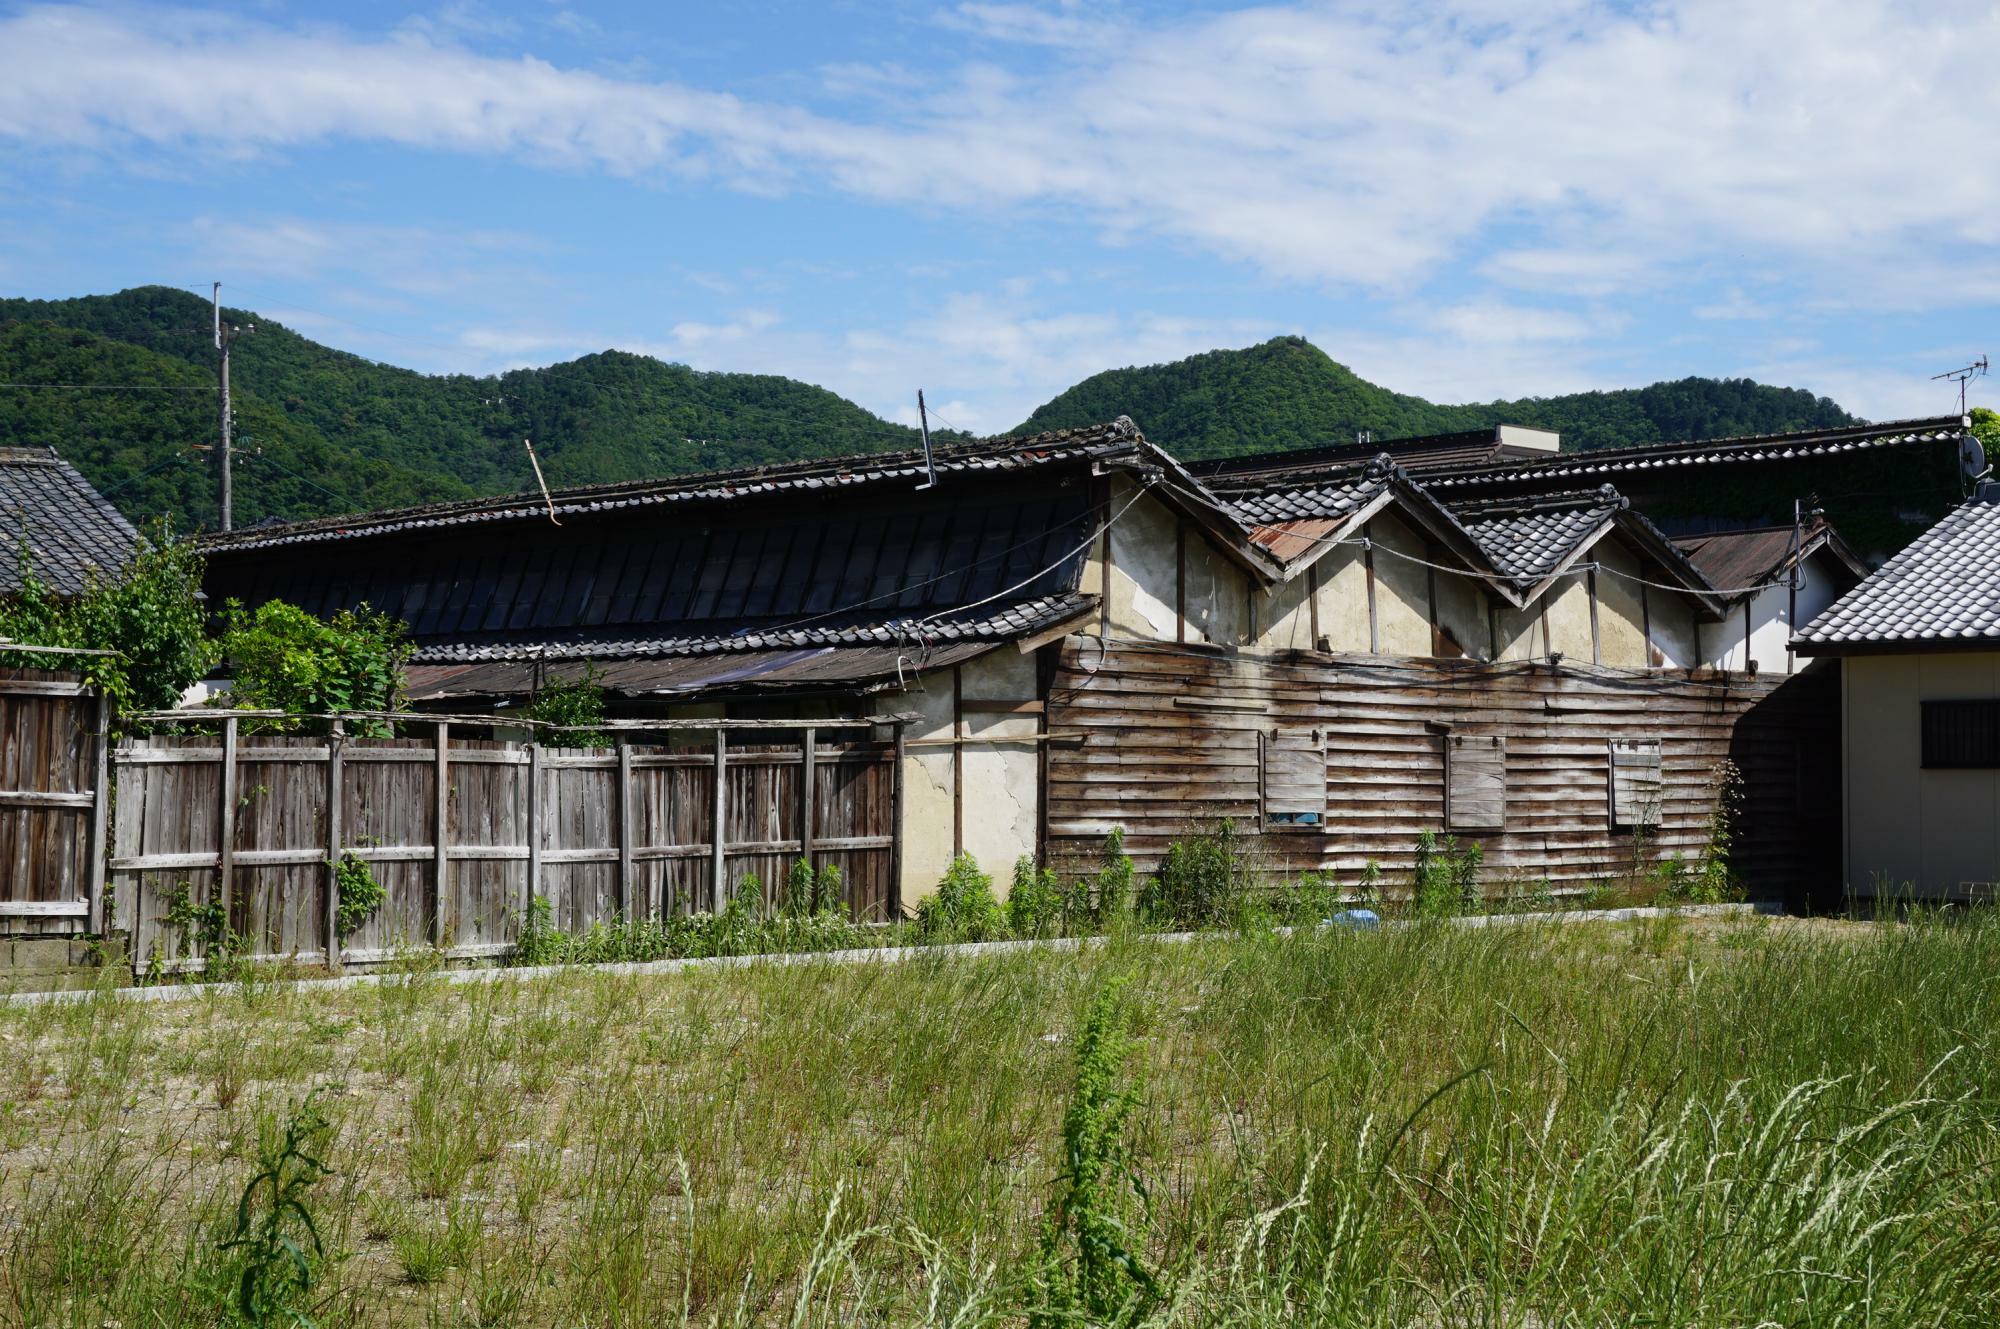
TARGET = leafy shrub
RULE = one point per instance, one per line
(963, 907)
(1306, 899)
(151, 615)
(1446, 880)
(360, 895)
(575, 706)
(1200, 882)
(1036, 903)
(287, 660)
(1089, 1269)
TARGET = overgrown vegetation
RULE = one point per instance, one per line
(810, 914)
(284, 659)
(150, 616)
(575, 706)
(1710, 1122)
(358, 894)
(275, 1239)
(1446, 877)
(962, 908)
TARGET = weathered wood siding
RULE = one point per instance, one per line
(50, 806)
(1161, 740)
(599, 833)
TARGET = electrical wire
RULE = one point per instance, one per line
(1109, 522)
(114, 387)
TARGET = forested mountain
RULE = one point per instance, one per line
(323, 431)
(1287, 393)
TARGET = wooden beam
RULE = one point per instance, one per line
(1596, 643)
(1180, 579)
(225, 857)
(718, 883)
(1030, 706)
(957, 762)
(1312, 602)
(1368, 568)
(44, 908)
(441, 837)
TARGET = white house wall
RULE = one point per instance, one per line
(1764, 632)
(1908, 829)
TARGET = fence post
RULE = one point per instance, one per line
(717, 886)
(100, 803)
(808, 796)
(625, 830)
(534, 828)
(896, 833)
(225, 854)
(336, 732)
(440, 843)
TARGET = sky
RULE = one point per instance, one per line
(1465, 200)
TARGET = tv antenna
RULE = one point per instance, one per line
(1962, 376)
(924, 425)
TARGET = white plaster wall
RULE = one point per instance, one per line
(1931, 831)
(1674, 627)
(1461, 612)
(1218, 594)
(1343, 600)
(1621, 626)
(1402, 591)
(1144, 569)
(1002, 779)
(1284, 615)
(1568, 617)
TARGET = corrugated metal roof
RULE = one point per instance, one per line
(68, 527)
(1742, 561)
(1941, 592)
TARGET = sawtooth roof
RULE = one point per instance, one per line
(69, 529)
(1942, 592)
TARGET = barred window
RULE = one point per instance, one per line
(1961, 735)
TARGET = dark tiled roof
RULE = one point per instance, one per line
(1942, 591)
(1471, 447)
(829, 475)
(1612, 462)
(813, 669)
(912, 633)
(1529, 540)
(70, 529)
(1337, 496)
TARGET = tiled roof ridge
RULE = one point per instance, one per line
(999, 622)
(1741, 445)
(857, 468)
(1486, 509)
(18, 454)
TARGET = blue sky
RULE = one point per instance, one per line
(1463, 200)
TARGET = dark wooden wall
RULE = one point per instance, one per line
(51, 809)
(1165, 740)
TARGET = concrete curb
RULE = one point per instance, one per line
(869, 955)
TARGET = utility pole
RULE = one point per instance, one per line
(224, 337)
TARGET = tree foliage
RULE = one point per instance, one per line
(150, 615)
(576, 705)
(284, 659)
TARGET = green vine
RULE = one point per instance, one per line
(360, 895)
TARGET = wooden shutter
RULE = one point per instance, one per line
(1294, 777)
(1635, 782)
(1475, 767)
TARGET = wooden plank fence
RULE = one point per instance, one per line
(52, 814)
(462, 832)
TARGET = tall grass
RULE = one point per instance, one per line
(1725, 1122)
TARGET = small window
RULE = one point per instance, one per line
(1475, 777)
(1961, 735)
(1635, 782)
(1293, 763)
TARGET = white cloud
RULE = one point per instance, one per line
(1366, 145)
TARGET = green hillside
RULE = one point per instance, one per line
(1287, 393)
(323, 431)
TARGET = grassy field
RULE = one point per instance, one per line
(1734, 1122)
